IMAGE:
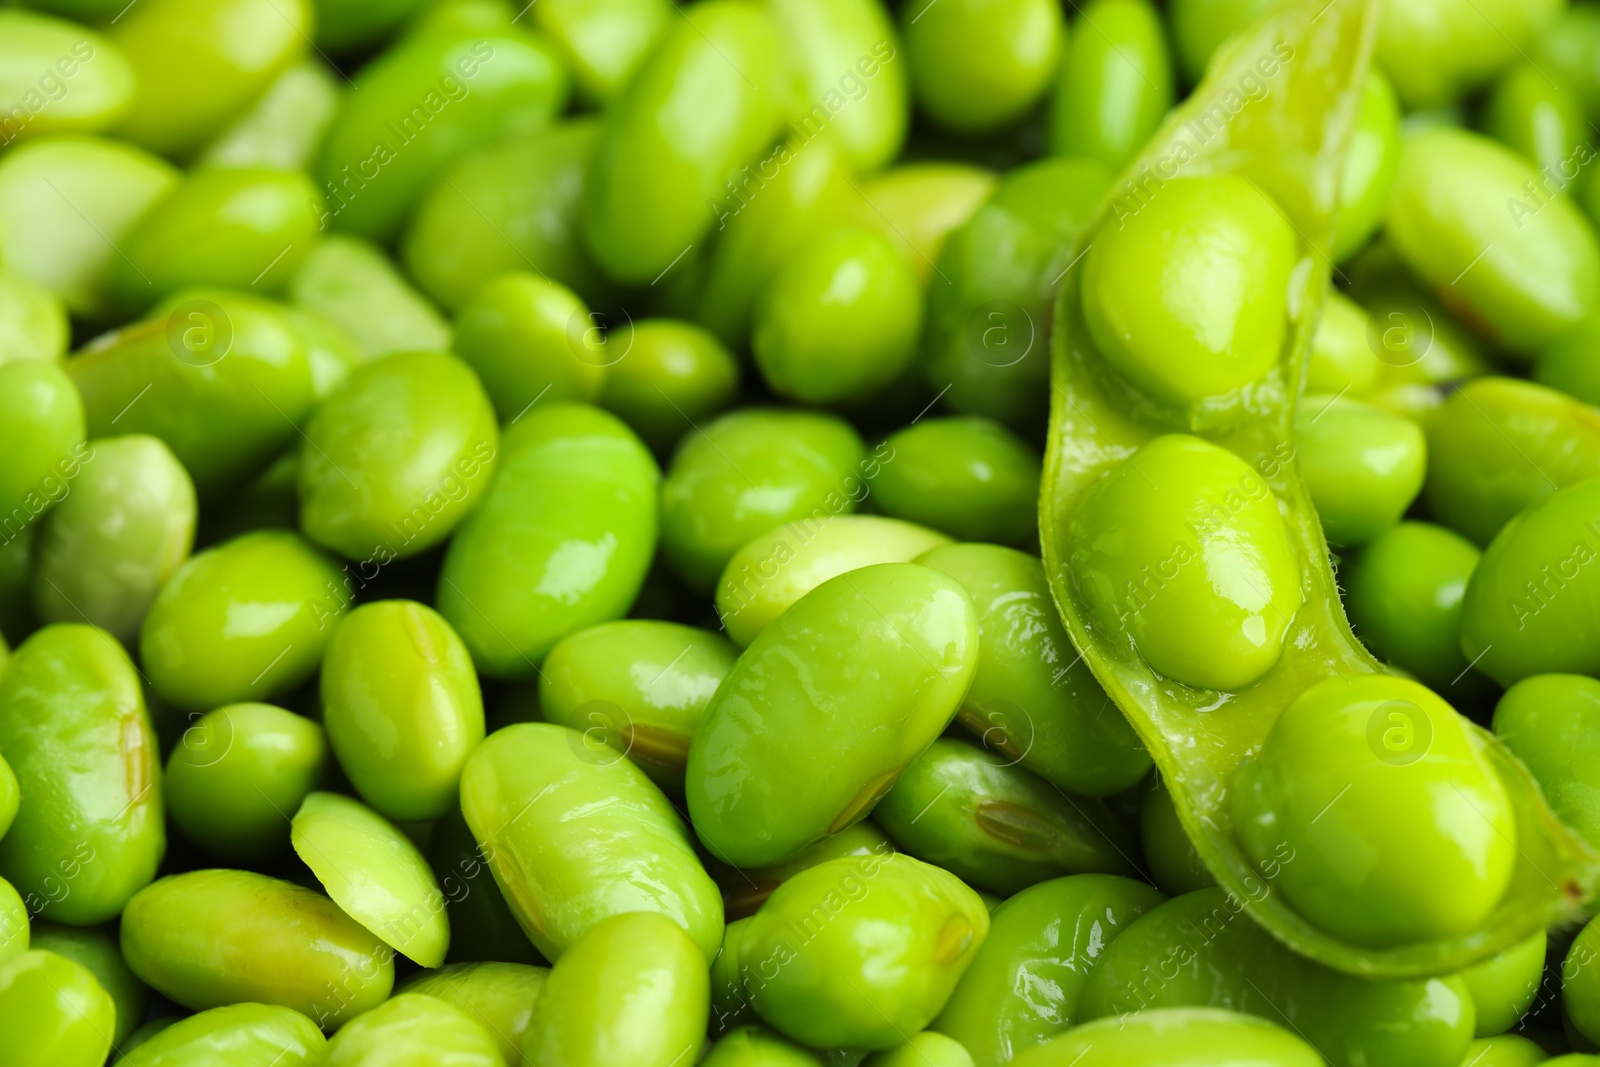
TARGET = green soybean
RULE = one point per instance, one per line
(745, 890)
(1200, 27)
(65, 204)
(858, 952)
(33, 320)
(59, 77)
(96, 950)
(919, 205)
(1503, 986)
(1501, 444)
(53, 1012)
(482, 927)
(604, 43)
(632, 990)
(89, 831)
(1541, 120)
(347, 24)
(1456, 194)
(236, 775)
(1203, 1037)
(116, 538)
(1567, 365)
(1369, 167)
(749, 472)
(1362, 465)
(220, 377)
(41, 438)
(413, 1030)
(529, 338)
(752, 1046)
(1548, 722)
(927, 1049)
(839, 321)
(664, 376)
(14, 916)
(210, 938)
(641, 685)
(498, 996)
(285, 127)
(995, 825)
(860, 675)
(196, 661)
(575, 834)
(978, 66)
(395, 460)
(645, 198)
(1580, 982)
(1115, 83)
(561, 541)
(1528, 605)
(774, 570)
(1169, 855)
(422, 105)
(199, 63)
(967, 477)
(1511, 1051)
(229, 1037)
(1437, 50)
(352, 283)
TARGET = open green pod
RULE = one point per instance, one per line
(1259, 147)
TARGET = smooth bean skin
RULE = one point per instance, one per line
(575, 834)
(42, 445)
(1580, 982)
(237, 772)
(839, 321)
(927, 1049)
(1169, 855)
(59, 77)
(1504, 985)
(1223, 959)
(1176, 1037)
(858, 952)
(745, 890)
(1199, 27)
(1437, 50)
(561, 541)
(633, 990)
(1151, 541)
(1449, 202)
(645, 198)
(753, 1046)
(33, 321)
(1512, 1051)
(395, 460)
(503, 208)
(1370, 163)
(498, 996)
(148, 1031)
(1549, 721)
(89, 831)
(196, 660)
(640, 685)
(1413, 335)
(285, 127)
(989, 303)
(968, 477)
(1115, 83)
(603, 43)
(1032, 700)
(529, 338)
(1341, 357)
(413, 1030)
(53, 1012)
(860, 676)
(769, 574)
(1541, 121)
(1404, 593)
(996, 826)
(482, 927)
(14, 917)
(96, 950)
(402, 708)
(978, 65)
(1501, 444)
(749, 472)
(115, 539)
(209, 938)
(219, 376)
(1212, 319)
(1363, 466)
(232, 1036)
(1422, 842)
(422, 105)
(1568, 365)
(352, 282)
(1529, 605)
(1043, 940)
(63, 238)
(919, 205)
(374, 873)
(665, 376)
(330, 349)
(199, 63)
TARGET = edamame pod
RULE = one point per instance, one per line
(646, 197)
(352, 283)
(59, 77)
(195, 660)
(633, 990)
(576, 834)
(413, 1030)
(96, 950)
(859, 677)
(562, 539)
(1313, 57)
(1549, 722)
(53, 1012)
(498, 996)
(422, 105)
(207, 939)
(89, 831)
(219, 376)
(1202, 1037)
(1115, 83)
(1044, 939)
(232, 1036)
(125, 527)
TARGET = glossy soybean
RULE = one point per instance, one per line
(351, 282)
(59, 77)
(664, 376)
(53, 1012)
(531, 339)
(1115, 83)
(498, 996)
(1548, 722)
(96, 950)
(1178, 1037)
(413, 1030)
(979, 65)
(231, 1036)
(967, 477)
(1362, 465)
(42, 437)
